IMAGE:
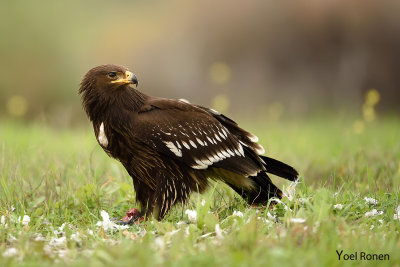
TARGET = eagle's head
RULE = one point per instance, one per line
(105, 84)
(107, 79)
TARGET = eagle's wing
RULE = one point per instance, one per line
(193, 136)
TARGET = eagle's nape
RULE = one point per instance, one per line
(171, 148)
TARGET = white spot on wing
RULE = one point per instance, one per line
(231, 152)
(209, 139)
(214, 158)
(243, 143)
(184, 100)
(102, 136)
(200, 165)
(206, 161)
(178, 144)
(220, 155)
(192, 143)
(214, 111)
(200, 142)
(260, 150)
(241, 150)
(165, 132)
(253, 138)
(185, 145)
(226, 154)
(173, 148)
(224, 131)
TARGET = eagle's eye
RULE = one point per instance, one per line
(112, 74)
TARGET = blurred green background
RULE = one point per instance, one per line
(273, 58)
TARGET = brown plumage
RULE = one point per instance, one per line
(171, 148)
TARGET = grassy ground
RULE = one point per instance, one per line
(62, 180)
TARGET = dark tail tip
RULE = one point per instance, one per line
(280, 169)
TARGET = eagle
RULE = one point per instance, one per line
(172, 148)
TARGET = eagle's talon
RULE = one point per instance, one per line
(132, 216)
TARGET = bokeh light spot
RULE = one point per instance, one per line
(17, 106)
(221, 103)
(219, 73)
(372, 97)
(368, 113)
(358, 126)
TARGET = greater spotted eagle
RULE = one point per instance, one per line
(170, 147)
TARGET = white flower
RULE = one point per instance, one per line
(316, 227)
(58, 242)
(90, 232)
(187, 232)
(290, 191)
(12, 238)
(106, 224)
(76, 237)
(39, 237)
(266, 221)
(56, 247)
(25, 220)
(159, 243)
(60, 230)
(370, 200)
(169, 234)
(218, 231)
(298, 220)
(237, 214)
(180, 223)
(303, 200)
(372, 227)
(192, 215)
(271, 217)
(397, 216)
(203, 202)
(338, 206)
(373, 212)
(3, 219)
(63, 253)
(277, 200)
(10, 252)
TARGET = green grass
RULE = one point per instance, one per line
(58, 176)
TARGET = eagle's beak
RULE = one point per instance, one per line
(129, 78)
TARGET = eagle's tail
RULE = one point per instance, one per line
(280, 169)
(263, 189)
